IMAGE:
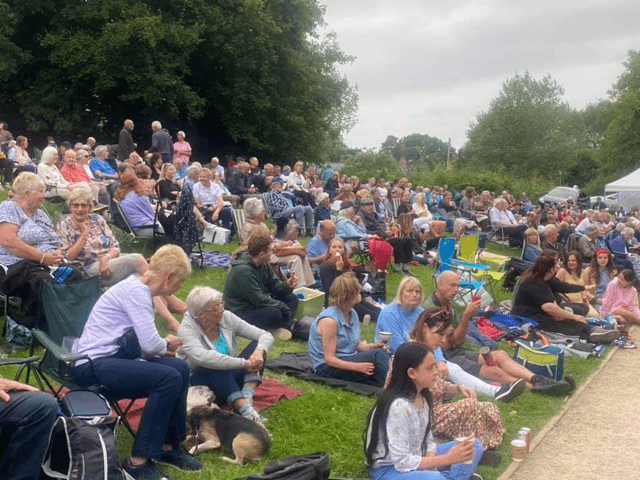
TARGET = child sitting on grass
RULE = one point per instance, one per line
(399, 442)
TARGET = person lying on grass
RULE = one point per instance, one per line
(335, 346)
(399, 439)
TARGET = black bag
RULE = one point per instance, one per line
(314, 466)
(374, 285)
(301, 328)
(83, 446)
(129, 346)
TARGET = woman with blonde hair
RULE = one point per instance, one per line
(299, 185)
(399, 316)
(335, 346)
(162, 379)
(532, 248)
(86, 238)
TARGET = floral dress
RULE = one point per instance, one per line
(455, 419)
(458, 419)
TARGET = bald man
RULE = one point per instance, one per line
(501, 367)
(125, 141)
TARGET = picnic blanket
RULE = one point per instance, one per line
(212, 258)
(299, 365)
(268, 393)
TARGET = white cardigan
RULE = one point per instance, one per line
(198, 350)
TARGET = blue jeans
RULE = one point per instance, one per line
(378, 356)
(227, 384)
(459, 471)
(270, 318)
(25, 427)
(302, 213)
(164, 382)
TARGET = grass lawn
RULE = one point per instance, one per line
(333, 420)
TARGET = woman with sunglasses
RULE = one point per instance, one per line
(461, 418)
(209, 345)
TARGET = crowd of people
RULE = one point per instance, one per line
(581, 264)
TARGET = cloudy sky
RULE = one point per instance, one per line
(430, 67)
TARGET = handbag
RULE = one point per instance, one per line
(314, 466)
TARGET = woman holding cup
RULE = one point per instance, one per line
(399, 437)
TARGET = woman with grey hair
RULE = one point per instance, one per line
(182, 152)
(87, 239)
(55, 183)
(254, 215)
(208, 334)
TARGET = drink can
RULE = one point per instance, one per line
(518, 449)
(526, 432)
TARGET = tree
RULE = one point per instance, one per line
(620, 150)
(248, 72)
(528, 128)
(371, 164)
(418, 151)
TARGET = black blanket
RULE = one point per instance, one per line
(299, 365)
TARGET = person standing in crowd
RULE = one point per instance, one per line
(182, 152)
(161, 142)
(125, 141)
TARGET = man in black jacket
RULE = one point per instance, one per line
(125, 141)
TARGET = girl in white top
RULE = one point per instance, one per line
(399, 442)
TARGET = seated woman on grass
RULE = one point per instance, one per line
(209, 345)
(334, 264)
(600, 272)
(400, 315)
(456, 419)
(400, 440)
(334, 339)
(621, 299)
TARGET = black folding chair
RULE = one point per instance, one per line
(67, 307)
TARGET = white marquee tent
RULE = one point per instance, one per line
(628, 188)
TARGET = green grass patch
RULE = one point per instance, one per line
(330, 419)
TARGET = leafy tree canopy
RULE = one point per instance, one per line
(371, 164)
(250, 72)
(528, 128)
(417, 150)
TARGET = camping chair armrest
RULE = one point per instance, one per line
(18, 360)
(60, 353)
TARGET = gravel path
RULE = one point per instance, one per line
(598, 435)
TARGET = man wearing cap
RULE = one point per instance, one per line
(280, 206)
(350, 225)
(372, 222)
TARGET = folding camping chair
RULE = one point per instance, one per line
(67, 307)
(24, 364)
(445, 261)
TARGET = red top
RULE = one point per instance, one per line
(74, 174)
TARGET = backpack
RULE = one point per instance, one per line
(540, 357)
(314, 466)
(82, 444)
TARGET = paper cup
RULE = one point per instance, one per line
(462, 440)
(518, 450)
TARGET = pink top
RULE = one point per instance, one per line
(182, 151)
(616, 297)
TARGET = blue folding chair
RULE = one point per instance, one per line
(446, 251)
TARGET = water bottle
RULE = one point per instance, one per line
(609, 318)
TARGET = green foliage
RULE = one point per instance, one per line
(419, 151)
(457, 179)
(371, 164)
(528, 129)
(254, 72)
